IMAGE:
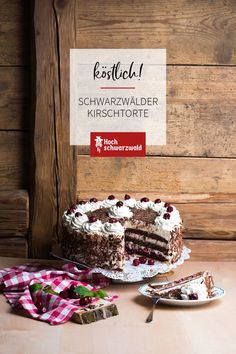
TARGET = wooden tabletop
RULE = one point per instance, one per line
(207, 329)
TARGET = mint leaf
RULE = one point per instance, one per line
(100, 293)
(35, 287)
(83, 291)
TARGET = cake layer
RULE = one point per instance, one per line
(132, 247)
(147, 236)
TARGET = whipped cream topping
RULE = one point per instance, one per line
(113, 228)
(92, 226)
(94, 205)
(77, 221)
(158, 207)
(143, 205)
(196, 288)
(163, 226)
(168, 224)
(130, 202)
(120, 212)
(66, 218)
(83, 208)
(106, 203)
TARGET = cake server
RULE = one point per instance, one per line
(155, 300)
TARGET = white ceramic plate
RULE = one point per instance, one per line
(218, 294)
(130, 273)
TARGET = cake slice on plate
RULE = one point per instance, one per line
(197, 286)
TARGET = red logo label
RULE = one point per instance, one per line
(112, 144)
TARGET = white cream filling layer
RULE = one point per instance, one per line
(149, 240)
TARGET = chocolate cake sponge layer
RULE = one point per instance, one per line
(145, 234)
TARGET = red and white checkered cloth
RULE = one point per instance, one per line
(16, 280)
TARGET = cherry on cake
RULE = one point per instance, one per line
(199, 286)
(100, 233)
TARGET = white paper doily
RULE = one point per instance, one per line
(132, 274)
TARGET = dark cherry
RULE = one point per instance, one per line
(64, 294)
(84, 301)
(193, 297)
(40, 307)
(151, 262)
(142, 260)
(77, 214)
(93, 200)
(144, 199)
(92, 218)
(69, 211)
(166, 216)
(129, 250)
(113, 220)
(81, 202)
(127, 196)
(136, 262)
(157, 201)
(73, 206)
(146, 252)
(169, 209)
(111, 197)
(72, 294)
(166, 205)
(119, 204)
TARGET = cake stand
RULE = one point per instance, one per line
(130, 273)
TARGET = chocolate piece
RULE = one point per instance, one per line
(100, 310)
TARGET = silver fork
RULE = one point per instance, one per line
(155, 300)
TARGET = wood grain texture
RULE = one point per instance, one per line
(55, 160)
(209, 221)
(14, 157)
(14, 98)
(15, 32)
(212, 250)
(172, 198)
(14, 213)
(194, 32)
(157, 174)
(198, 98)
(13, 247)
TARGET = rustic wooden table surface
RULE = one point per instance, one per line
(207, 329)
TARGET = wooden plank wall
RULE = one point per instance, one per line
(197, 169)
(14, 127)
(54, 185)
